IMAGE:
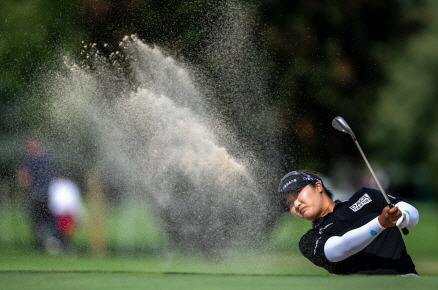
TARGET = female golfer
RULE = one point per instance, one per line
(357, 236)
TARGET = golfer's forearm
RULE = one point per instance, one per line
(412, 213)
(338, 248)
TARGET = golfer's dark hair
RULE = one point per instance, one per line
(311, 173)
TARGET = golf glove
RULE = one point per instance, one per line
(411, 215)
(403, 221)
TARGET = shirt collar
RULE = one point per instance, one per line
(319, 221)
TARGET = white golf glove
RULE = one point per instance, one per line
(403, 221)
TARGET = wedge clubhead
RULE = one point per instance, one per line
(340, 124)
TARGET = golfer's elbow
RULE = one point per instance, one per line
(335, 249)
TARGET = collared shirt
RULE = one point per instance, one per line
(386, 254)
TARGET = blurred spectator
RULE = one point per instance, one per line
(35, 175)
(66, 205)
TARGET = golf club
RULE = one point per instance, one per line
(340, 124)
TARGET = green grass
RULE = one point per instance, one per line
(246, 264)
(36, 271)
(109, 280)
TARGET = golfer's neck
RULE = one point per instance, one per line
(329, 205)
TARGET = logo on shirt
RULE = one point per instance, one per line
(361, 202)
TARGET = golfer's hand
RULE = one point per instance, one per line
(389, 216)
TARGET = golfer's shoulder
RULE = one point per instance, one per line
(365, 193)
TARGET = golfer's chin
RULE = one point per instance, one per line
(308, 215)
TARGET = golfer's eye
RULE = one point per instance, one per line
(294, 195)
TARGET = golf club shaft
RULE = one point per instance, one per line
(372, 172)
(339, 124)
(404, 230)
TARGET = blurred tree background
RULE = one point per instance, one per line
(371, 62)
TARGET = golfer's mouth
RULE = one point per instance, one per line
(303, 210)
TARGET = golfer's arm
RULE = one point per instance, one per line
(338, 248)
(412, 215)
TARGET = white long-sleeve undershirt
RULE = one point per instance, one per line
(338, 248)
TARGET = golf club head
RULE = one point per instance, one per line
(340, 124)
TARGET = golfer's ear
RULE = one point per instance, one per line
(319, 186)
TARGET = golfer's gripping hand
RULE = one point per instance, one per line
(389, 216)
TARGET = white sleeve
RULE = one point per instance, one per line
(338, 248)
(412, 215)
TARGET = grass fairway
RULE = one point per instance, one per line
(126, 280)
(119, 280)
(34, 271)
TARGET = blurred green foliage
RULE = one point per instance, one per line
(363, 60)
(31, 32)
(404, 129)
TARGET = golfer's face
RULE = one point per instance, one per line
(306, 203)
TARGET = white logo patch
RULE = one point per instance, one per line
(361, 202)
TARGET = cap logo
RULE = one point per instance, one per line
(300, 180)
(289, 183)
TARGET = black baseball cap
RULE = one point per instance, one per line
(295, 180)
